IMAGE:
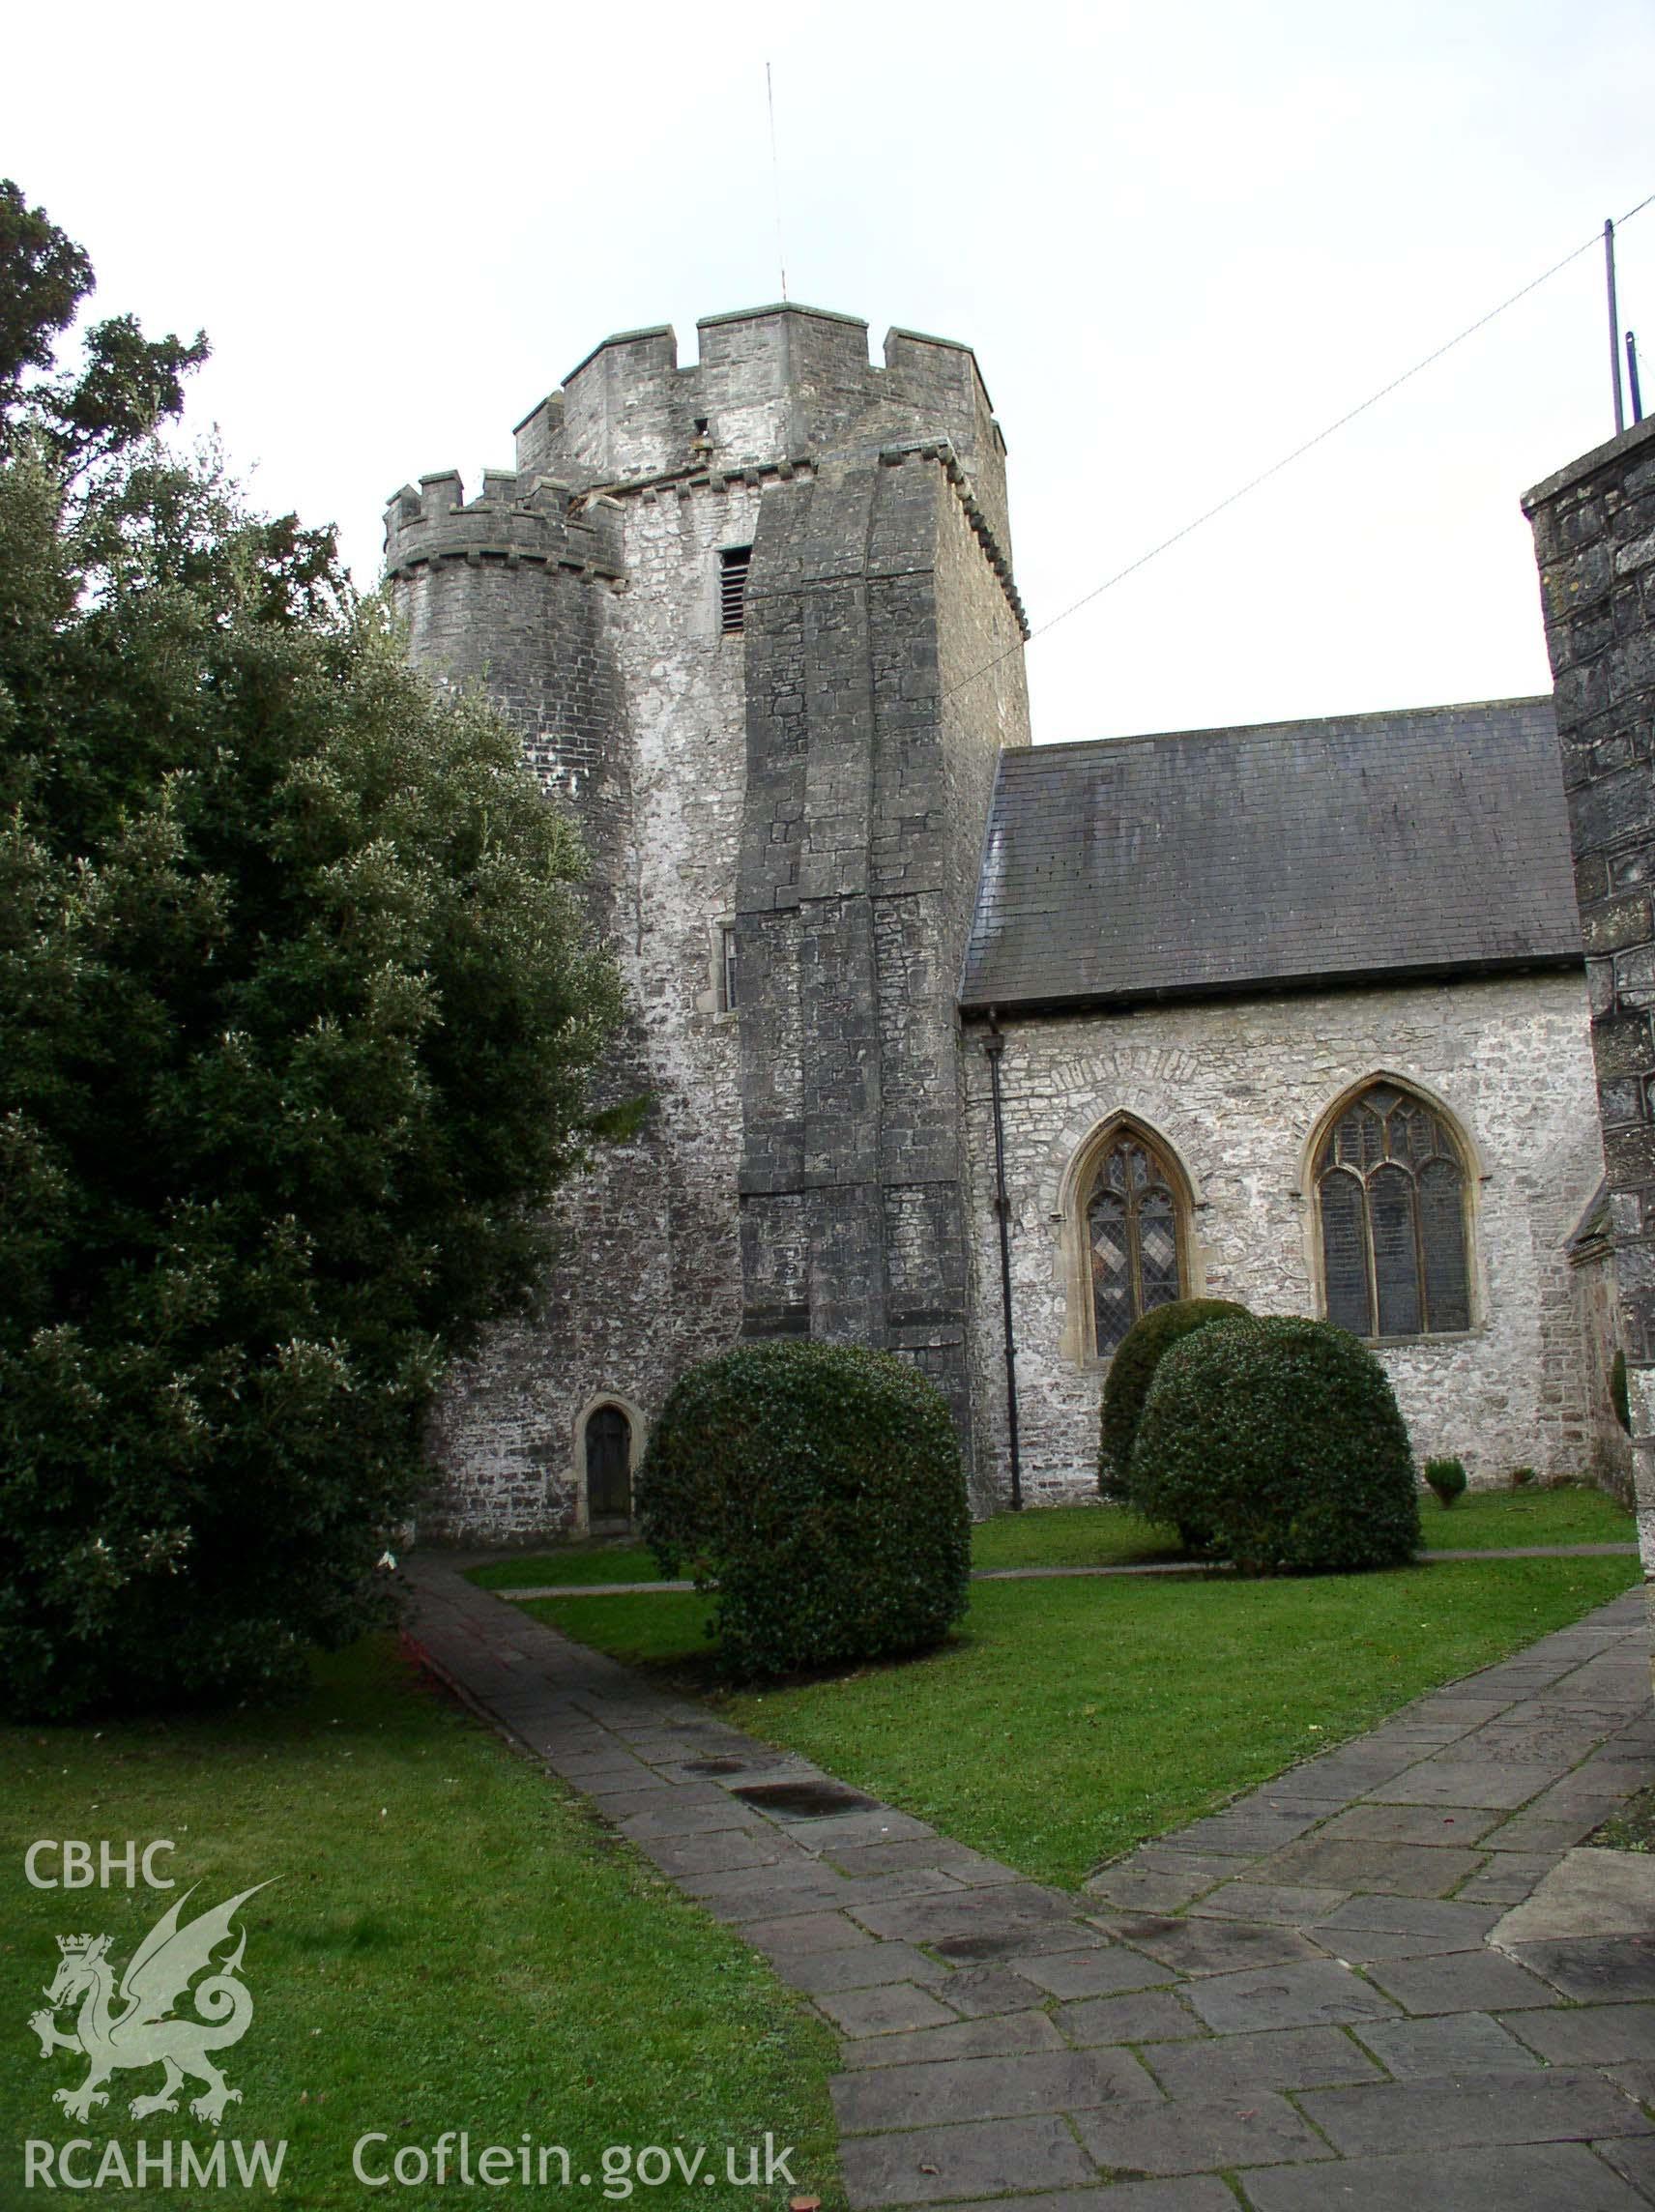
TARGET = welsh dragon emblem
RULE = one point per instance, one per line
(136, 2026)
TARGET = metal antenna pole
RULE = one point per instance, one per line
(1613, 328)
(775, 189)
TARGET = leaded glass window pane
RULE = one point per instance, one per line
(1132, 1225)
(1443, 1234)
(1396, 1251)
(1111, 1269)
(1344, 1254)
(1157, 1248)
(1410, 1137)
(1391, 1193)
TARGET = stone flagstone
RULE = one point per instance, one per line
(1290, 2005)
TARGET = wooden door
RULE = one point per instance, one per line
(608, 1464)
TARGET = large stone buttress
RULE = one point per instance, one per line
(867, 792)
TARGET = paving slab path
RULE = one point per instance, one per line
(1302, 2001)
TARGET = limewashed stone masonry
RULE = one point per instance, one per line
(1236, 1092)
(816, 782)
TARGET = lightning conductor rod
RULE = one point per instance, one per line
(1613, 328)
(775, 189)
(1636, 396)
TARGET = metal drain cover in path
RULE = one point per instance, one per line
(805, 1801)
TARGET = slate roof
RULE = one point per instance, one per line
(1206, 862)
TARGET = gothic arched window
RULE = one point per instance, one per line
(1391, 1190)
(1132, 1237)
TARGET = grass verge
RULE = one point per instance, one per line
(1072, 1719)
(599, 1561)
(1110, 1536)
(1490, 1520)
(452, 1943)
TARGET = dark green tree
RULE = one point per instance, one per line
(298, 1015)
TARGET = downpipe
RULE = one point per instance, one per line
(993, 1046)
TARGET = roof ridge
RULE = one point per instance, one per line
(1367, 716)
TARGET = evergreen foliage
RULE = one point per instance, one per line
(819, 1488)
(1131, 1372)
(1446, 1478)
(1282, 1440)
(296, 1023)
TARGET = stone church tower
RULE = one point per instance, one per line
(756, 623)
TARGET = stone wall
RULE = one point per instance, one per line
(1595, 540)
(1236, 1092)
(627, 697)
(808, 780)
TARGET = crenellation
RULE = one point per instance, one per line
(514, 519)
(540, 434)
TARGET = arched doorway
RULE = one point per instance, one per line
(608, 1469)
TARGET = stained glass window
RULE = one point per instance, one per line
(1390, 1187)
(1132, 1229)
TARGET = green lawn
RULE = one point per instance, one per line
(1073, 1718)
(1485, 1520)
(572, 1563)
(1107, 1536)
(452, 1942)
(1070, 1536)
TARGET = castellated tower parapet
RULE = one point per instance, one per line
(515, 519)
(756, 624)
(507, 591)
(772, 384)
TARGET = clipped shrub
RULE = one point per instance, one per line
(1131, 1372)
(1618, 1392)
(1282, 1438)
(1446, 1478)
(819, 1489)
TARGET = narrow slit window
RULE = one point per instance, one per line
(727, 978)
(733, 566)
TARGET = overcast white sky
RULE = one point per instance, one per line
(1180, 236)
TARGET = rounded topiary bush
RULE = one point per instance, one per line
(1282, 1440)
(1131, 1372)
(819, 1487)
